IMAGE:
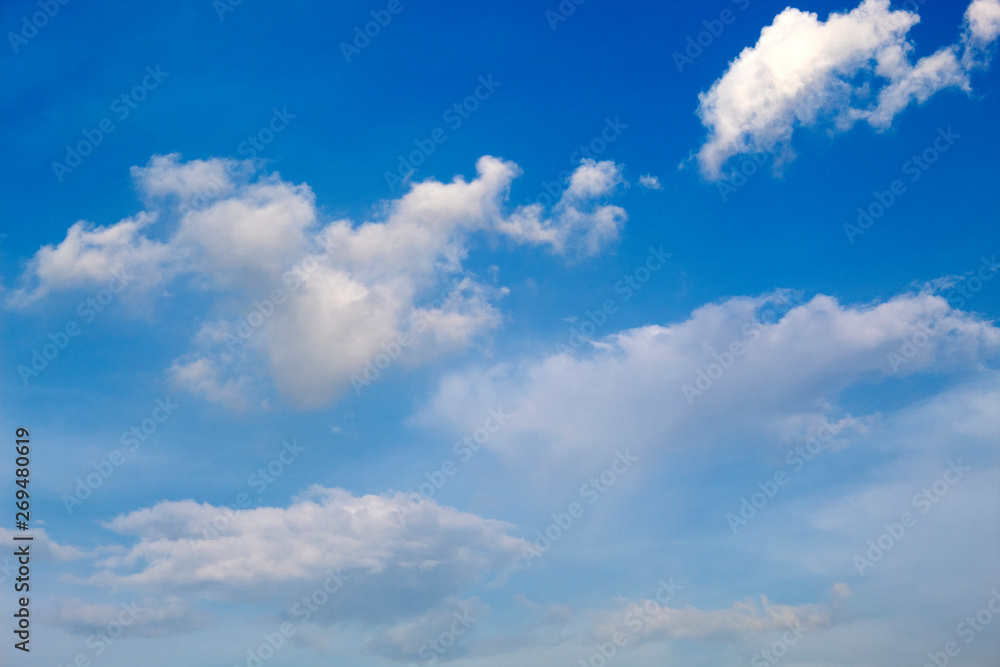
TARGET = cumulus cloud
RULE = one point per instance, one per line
(315, 301)
(650, 182)
(983, 20)
(165, 176)
(575, 221)
(96, 256)
(388, 567)
(855, 66)
(769, 364)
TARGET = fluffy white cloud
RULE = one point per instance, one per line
(802, 70)
(766, 366)
(389, 567)
(576, 222)
(193, 182)
(96, 256)
(262, 231)
(983, 19)
(320, 300)
(915, 84)
(650, 182)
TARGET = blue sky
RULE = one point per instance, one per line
(676, 345)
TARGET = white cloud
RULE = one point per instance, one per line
(802, 70)
(909, 451)
(665, 386)
(575, 222)
(43, 547)
(263, 231)
(201, 377)
(738, 621)
(95, 256)
(983, 19)
(347, 289)
(391, 567)
(929, 75)
(192, 181)
(650, 182)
